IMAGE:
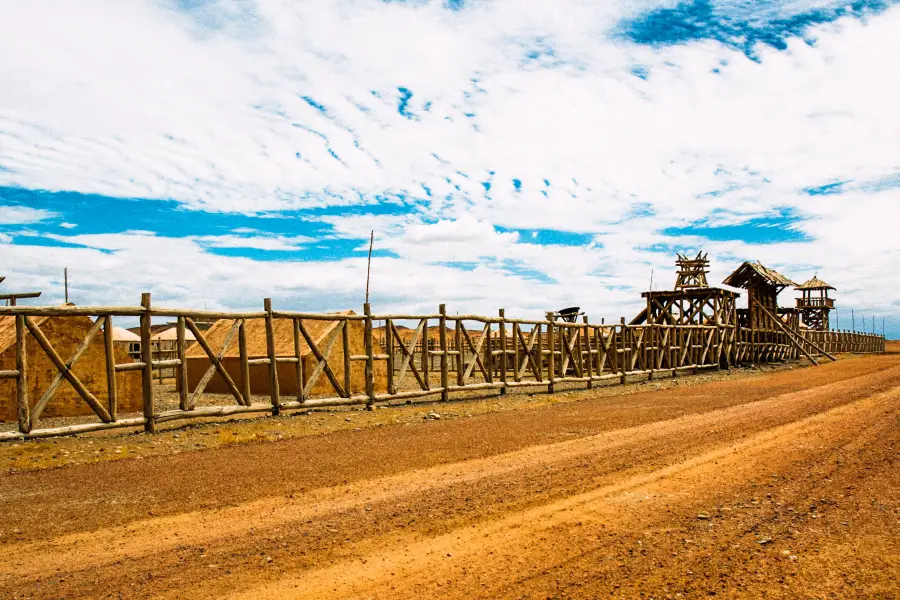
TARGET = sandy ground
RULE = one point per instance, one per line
(780, 485)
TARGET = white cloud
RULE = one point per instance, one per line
(257, 242)
(23, 215)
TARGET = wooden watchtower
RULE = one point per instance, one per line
(763, 285)
(814, 303)
(692, 272)
(692, 302)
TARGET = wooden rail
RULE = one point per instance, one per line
(465, 353)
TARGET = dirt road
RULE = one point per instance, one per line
(782, 486)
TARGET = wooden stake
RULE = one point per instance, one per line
(369, 264)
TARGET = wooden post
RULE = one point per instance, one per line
(147, 358)
(389, 347)
(245, 362)
(622, 360)
(270, 351)
(515, 336)
(504, 359)
(590, 353)
(426, 355)
(22, 379)
(370, 358)
(461, 357)
(445, 367)
(551, 357)
(111, 394)
(298, 354)
(345, 341)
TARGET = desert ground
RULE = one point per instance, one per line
(753, 483)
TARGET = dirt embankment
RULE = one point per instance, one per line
(784, 485)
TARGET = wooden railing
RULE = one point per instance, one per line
(467, 353)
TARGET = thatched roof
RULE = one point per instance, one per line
(120, 334)
(753, 270)
(172, 334)
(815, 284)
(256, 336)
(8, 330)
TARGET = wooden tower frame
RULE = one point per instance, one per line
(692, 272)
(814, 304)
(692, 302)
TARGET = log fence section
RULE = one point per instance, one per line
(496, 353)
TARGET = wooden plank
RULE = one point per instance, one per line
(216, 360)
(70, 430)
(65, 368)
(22, 410)
(110, 356)
(71, 311)
(211, 411)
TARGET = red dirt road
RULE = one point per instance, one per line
(779, 486)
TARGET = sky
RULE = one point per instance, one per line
(521, 154)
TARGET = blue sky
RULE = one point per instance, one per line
(525, 155)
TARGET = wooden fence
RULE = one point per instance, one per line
(468, 353)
